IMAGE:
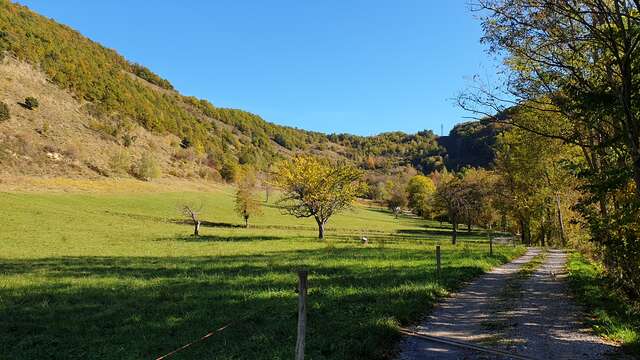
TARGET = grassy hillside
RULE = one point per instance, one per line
(117, 99)
(115, 275)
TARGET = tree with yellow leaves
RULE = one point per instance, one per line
(315, 187)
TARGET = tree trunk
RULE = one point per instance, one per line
(635, 158)
(196, 228)
(563, 239)
(454, 232)
(246, 221)
(321, 224)
(543, 229)
(525, 235)
(503, 222)
(468, 227)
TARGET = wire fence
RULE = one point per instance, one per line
(302, 291)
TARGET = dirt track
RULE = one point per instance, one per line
(538, 320)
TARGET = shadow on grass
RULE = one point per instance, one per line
(140, 307)
(216, 238)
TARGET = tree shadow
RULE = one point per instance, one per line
(220, 238)
(139, 307)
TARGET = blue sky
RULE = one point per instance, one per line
(360, 67)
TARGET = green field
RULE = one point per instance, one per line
(117, 276)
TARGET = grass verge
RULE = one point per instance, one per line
(612, 315)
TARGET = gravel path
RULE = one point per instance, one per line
(539, 320)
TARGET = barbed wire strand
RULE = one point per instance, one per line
(214, 332)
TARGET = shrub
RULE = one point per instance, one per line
(128, 139)
(45, 128)
(229, 171)
(31, 103)
(73, 150)
(283, 141)
(120, 162)
(185, 155)
(146, 168)
(185, 143)
(209, 173)
(4, 112)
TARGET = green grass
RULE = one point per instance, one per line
(612, 314)
(116, 276)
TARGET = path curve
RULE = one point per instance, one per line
(543, 324)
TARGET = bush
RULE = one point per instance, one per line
(229, 171)
(185, 143)
(120, 162)
(4, 112)
(128, 139)
(31, 103)
(146, 168)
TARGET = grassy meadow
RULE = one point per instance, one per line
(116, 275)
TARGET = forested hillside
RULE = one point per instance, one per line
(471, 144)
(118, 104)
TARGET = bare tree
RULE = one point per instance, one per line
(192, 213)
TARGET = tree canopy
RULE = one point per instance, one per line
(314, 187)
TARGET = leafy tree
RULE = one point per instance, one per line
(481, 188)
(419, 192)
(453, 198)
(579, 62)
(532, 180)
(247, 199)
(31, 103)
(314, 187)
(4, 112)
(396, 197)
(578, 59)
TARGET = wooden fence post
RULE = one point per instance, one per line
(302, 313)
(438, 263)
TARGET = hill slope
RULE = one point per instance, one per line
(99, 112)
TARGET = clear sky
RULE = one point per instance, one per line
(360, 67)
